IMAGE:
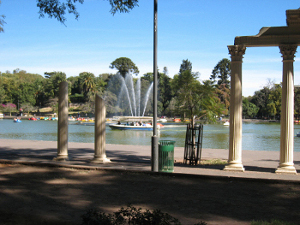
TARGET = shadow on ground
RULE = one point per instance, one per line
(43, 195)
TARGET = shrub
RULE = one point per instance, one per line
(130, 215)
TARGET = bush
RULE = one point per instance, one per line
(130, 215)
(273, 222)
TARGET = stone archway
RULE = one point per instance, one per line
(287, 38)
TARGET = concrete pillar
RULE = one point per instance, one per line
(62, 132)
(100, 118)
(235, 136)
(286, 164)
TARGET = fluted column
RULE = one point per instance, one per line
(286, 164)
(62, 131)
(100, 117)
(235, 136)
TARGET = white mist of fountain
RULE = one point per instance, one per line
(132, 95)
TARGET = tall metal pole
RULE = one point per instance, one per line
(154, 149)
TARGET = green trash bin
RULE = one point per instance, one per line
(166, 156)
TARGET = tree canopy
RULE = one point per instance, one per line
(124, 65)
(2, 22)
(58, 8)
(221, 73)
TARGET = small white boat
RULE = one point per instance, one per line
(162, 120)
(298, 134)
(134, 123)
(226, 123)
(131, 127)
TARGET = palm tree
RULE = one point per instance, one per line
(88, 83)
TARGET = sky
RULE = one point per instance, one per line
(197, 30)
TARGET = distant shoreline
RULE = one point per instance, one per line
(170, 120)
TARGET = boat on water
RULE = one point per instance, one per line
(134, 123)
(226, 123)
(131, 127)
(17, 120)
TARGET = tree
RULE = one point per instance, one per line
(27, 107)
(249, 109)
(195, 99)
(124, 65)
(274, 105)
(2, 22)
(261, 100)
(223, 93)
(185, 65)
(9, 107)
(188, 95)
(2, 94)
(221, 72)
(164, 89)
(58, 8)
(210, 105)
(52, 84)
(87, 82)
(297, 101)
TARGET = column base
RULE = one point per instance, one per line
(100, 160)
(289, 169)
(237, 167)
(61, 158)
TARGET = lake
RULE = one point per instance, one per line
(256, 136)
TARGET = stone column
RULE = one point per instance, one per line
(286, 164)
(235, 136)
(62, 132)
(100, 114)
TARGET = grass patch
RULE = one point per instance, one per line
(214, 162)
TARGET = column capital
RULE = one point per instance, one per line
(288, 51)
(236, 52)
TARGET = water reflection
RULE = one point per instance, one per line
(255, 136)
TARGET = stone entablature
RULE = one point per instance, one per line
(275, 36)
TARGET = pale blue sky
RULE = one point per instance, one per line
(198, 30)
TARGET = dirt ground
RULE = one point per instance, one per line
(52, 195)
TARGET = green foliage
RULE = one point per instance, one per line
(123, 6)
(2, 22)
(249, 109)
(129, 215)
(27, 107)
(272, 222)
(297, 102)
(223, 93)
(52, 83)
(186, 65)
(164, 90)
(211, 106)
(87, 83)
(184, 95)
(124, 65)
(221, 73)
(261, 99)
(58, 8)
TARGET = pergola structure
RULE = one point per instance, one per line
(287, 38)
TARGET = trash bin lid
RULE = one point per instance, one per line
(166, 142)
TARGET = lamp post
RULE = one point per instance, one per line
(154, 143)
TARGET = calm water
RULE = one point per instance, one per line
(255, 136)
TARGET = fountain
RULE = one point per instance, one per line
(132, 100)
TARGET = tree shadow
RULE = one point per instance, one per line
(60, 196)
